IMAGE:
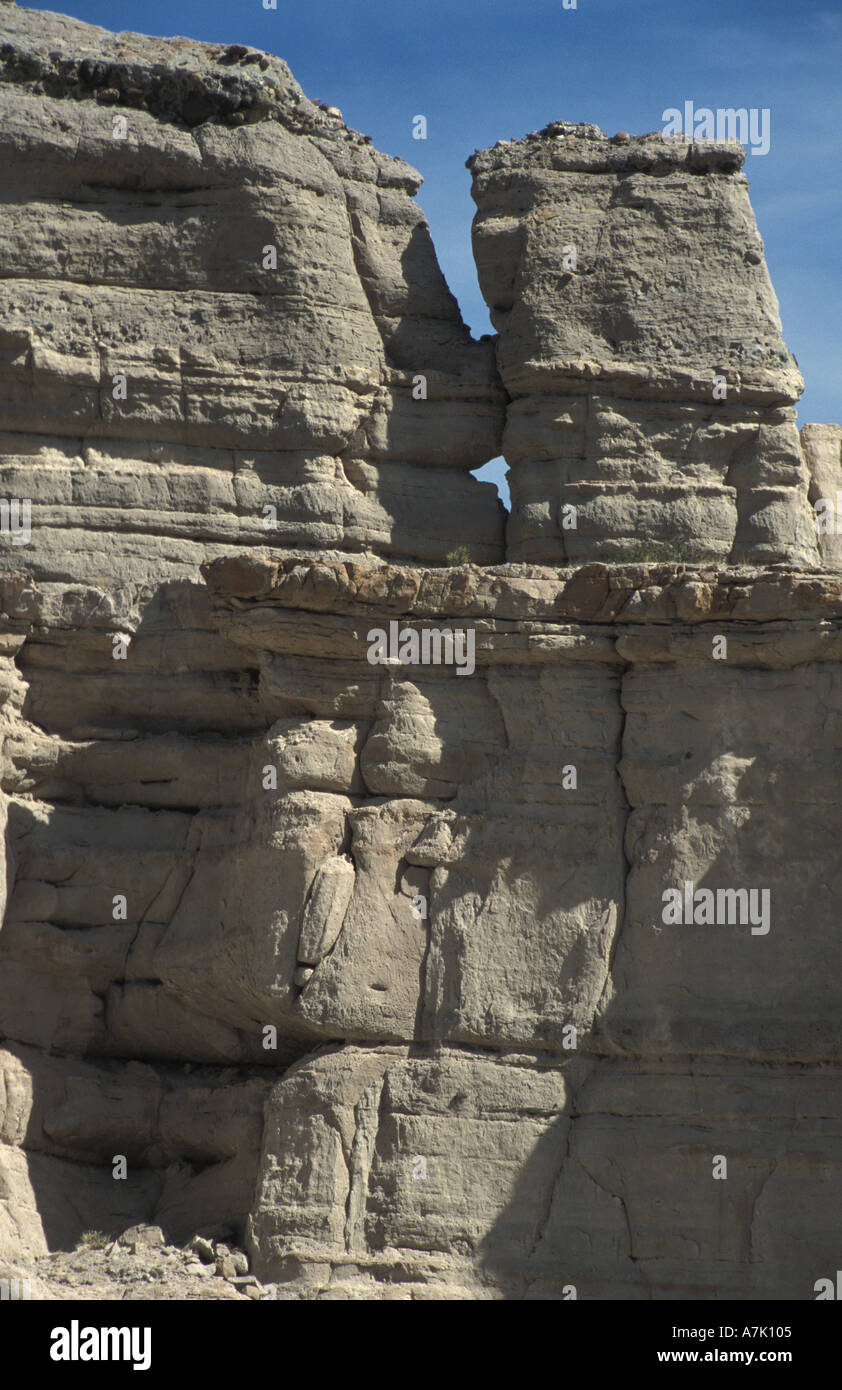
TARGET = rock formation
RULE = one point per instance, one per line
(641, 346)
(226, 307)
(367, 963)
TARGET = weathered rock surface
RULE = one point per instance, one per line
(822, 446)
(473, 903)
(221, 307)
(451, 1175)
(137, 1266)
(628, 287)
(366, 966)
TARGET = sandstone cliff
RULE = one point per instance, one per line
(366, 965)
(641, 346)
(222, 299)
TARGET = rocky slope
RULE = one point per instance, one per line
(366, 966)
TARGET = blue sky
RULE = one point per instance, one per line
(485, 70)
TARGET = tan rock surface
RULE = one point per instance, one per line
(640, 342)
(365, 967)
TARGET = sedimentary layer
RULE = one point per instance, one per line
(224, 323)
(400, 969)
(640, 342)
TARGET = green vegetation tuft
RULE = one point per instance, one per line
(459, 556)
(93, 1240)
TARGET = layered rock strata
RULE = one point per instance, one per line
(367, 963)
(224, 323)
(640, 343)
(450, 931)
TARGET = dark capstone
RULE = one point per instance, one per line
(119, 76)
(29, 67)
(92, 72)
(227, 103)
(198, 106)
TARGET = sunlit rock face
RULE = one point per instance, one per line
(225, 324)
(436, 930)
(639, 339)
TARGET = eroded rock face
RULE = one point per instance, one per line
(369, 964)
(450, 1175)
(822, 446)
(480, 906)
(641, 345)
(224, 308)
